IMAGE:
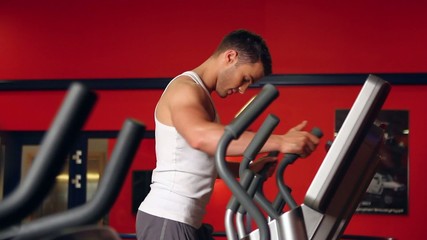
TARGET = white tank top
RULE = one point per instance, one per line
(183, 179)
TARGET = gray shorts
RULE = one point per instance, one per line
(149, 227)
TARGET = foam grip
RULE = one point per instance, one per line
(253, 110)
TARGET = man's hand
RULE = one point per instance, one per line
(300, 142)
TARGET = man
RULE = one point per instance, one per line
(187, 133)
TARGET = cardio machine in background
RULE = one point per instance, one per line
(79, 222)
(338, 186)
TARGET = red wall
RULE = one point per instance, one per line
(103, 39)
(124, 39)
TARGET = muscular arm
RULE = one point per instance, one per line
(187, 107)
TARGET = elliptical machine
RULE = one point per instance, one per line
(337, 188)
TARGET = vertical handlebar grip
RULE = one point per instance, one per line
(289, 159)
(75, 109)
(258, 141)
(253, 109)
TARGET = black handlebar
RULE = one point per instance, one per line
(283, 189)
(252, 110)
(233, 131)
(109, 187)
(62, 133)
(258, 141)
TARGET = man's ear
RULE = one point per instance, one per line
(231, 56)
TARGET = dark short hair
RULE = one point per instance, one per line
(250, 46)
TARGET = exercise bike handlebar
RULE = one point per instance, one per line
(233, 131)
(62, 133)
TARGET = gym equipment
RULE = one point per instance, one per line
(252, 182)
(72, 115)
(77, 223)
(339, 183)
(233, 131)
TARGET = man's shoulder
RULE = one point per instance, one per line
(183, 84)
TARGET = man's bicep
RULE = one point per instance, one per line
(187, 111)
(189, 118)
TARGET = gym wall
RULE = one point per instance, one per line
(81, 40)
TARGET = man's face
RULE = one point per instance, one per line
(236, 77)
